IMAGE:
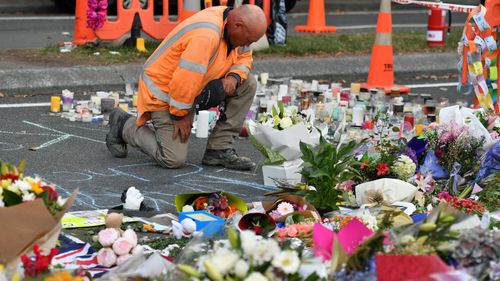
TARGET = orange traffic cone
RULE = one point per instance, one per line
(381, 73)
(82, 34)
(316, 19)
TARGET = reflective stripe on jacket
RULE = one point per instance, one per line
(193, 54)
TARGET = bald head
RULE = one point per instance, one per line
(246, 24)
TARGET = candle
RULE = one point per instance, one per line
(355, 88)
(55, 104)
(202, 124)
(124, 106)
(263, 78)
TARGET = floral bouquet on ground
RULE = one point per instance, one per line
(260, 223)
(277, 135)
(32, 210)
(290, 205)
(455, 147)
(245, 256)
(220, 204)
(387, 157)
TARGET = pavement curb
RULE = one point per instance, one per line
(91, 78)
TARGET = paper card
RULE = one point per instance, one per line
(323, 241)
(481, 22)
(472, 46)
(493, 73)
(88, 218)
(490, 43)
(352, 235)
(480, 42)
(487, 62)
(349, 237)
(477, 68)
(407, 267)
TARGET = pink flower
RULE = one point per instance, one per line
(304, 228)
(347, 185)
(108, 236)
(282, 232)
(285, 208)
(106, 257)
(122, 246)
(123, 258)
(494, 135)
(131, 236)
(292, 231)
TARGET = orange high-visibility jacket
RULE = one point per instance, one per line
(193, 54)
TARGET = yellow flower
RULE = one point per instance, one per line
(62, 276)
(35, 185)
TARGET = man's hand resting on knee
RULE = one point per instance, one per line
(182, 128)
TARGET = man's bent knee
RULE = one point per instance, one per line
(172, 163)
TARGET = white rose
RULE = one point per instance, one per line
(286, 122)
(288, 261)
(241, 268)
(265, 251)
(248, 241)
(256, 276)
(28, 196)
(14, 188)
(187, 208)
(224, 260)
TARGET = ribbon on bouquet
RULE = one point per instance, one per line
(439, 5)
(456, 177)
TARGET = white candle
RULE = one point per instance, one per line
(263, 78)
(202, 124)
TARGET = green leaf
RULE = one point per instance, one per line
(11, 198)
(275, 111)
(272, 157)
(282, 108)
(319, 173)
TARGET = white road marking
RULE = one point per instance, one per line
(435, 85)
(15, 105)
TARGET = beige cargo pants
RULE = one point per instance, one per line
(170, 153)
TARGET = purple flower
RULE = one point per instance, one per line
(451, 131)
(412, 154)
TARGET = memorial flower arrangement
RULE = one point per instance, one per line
(27, 201)
(281, 119)
(216, 204)
(117, 246)
(245, 256)
(277, 134)
(453, 143)
(387, 155)
(16, 189)
(39, 264)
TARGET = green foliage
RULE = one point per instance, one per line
(490, 195)
(324, 167)
(272, 157)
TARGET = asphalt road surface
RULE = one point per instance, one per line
(73, 155)
(37, 31)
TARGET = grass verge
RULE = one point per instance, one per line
(336, 44)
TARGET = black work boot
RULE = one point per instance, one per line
(114, 141)
(228, 159)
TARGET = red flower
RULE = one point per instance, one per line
(363, 165)
(382, 169)
(200, 203)
(38, 265)
(51, 191)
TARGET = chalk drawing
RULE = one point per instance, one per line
(200, 168)
(61, 137)
(7, 146)
(115, 172)
(85, 128)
